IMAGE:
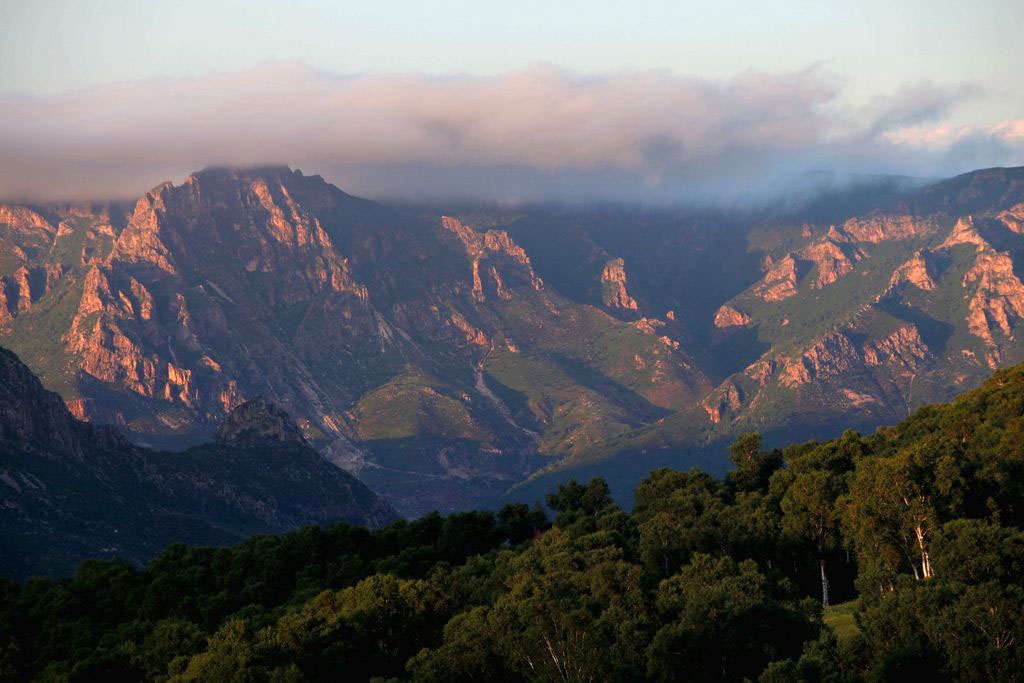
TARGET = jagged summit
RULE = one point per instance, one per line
(257, 422)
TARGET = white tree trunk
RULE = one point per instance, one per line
(926, 562)
(824, 582)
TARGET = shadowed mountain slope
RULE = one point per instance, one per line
(71, 490)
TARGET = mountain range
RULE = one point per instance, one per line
(447, 354)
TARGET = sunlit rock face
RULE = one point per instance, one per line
(613, 286)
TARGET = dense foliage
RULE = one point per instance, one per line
(917, 528)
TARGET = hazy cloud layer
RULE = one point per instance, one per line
(540, 133)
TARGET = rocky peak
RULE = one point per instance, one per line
(964, 232)
(257, 422)
(613, 286)
(917, 271)
(247, 174)
(269, 219)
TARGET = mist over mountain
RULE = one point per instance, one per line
(537, 134)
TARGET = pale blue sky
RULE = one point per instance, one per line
(640, 96)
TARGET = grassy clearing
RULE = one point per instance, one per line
(840, 619)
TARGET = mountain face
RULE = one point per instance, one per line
(444, 355)
(71, 490)
(424, 355)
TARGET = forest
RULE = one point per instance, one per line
(892, 556)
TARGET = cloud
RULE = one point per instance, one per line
(948, 136)
(916, 103)
(539, 133)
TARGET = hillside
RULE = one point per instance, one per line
(73, 491)
(863, 558)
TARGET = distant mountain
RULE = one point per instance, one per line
(71, 490)
(445, 354)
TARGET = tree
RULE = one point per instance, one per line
(723, 622)
(809, 514)
(752, 467)
(677, 514)
(897, 502)
(521, 523)
(573, 502)
(573, 610)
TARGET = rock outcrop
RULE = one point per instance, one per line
(613, 286)
(258, 422)
(995, 292)
(882, 227)
(727, 398)
(836, 354)
(490, 253)
(903, 348)
(833, 355)
(964, 232)
(998, 300)
(727, 316)
(918, 271)
(780, 281)
(831, 261)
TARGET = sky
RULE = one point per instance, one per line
(510, 101)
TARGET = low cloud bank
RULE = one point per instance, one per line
(536, 134)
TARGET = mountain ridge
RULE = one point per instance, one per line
(71, 490)
(447, 355)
